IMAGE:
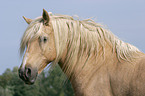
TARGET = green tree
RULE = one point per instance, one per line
(52, 84)
(5, 80)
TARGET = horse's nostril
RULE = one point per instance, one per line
(28, 72)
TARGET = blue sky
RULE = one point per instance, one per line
(125, 18)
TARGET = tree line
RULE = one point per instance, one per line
(49, 83)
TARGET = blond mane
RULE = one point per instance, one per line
(87, 34)
(78, 37)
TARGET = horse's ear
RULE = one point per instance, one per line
(27, 20)
(45, 17)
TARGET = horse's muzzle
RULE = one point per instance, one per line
(28, 75)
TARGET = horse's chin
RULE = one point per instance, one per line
(30, 82)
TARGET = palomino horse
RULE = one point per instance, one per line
(96, 62)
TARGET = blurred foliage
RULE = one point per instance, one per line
(49, 83)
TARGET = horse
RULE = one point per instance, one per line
(96, 62)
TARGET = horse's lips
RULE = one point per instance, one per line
(30, 82)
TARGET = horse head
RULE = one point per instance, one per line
(39, 45)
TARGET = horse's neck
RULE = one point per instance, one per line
(96, 71)
(81, 76)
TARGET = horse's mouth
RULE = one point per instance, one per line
(30, 82)
(28, 78)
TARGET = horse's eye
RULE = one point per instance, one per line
(44, 39)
